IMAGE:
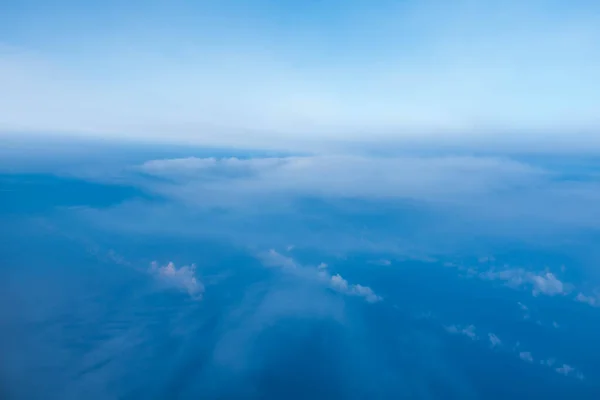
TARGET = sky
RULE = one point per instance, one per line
(285, 73)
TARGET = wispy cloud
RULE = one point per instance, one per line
(319, 274)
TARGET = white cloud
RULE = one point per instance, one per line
(352, 175)
(586, 299)
(382, 262)
(526, 356)
(490, 195)
(342, 285)
(565, 370)
(183, 278)
(549, 362)
(468, 331)
(494, 340)
(546, 283)
(274, 259)
(568, 370)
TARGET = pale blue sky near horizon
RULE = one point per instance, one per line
(276, 73)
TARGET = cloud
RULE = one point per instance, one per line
(586, 299)
(318, 274)
(565, 369)
(383, 262)
(274, 259)
(494, 340)
(341, 285)
(546, 283)
(354, 175)
(526, 356)
(568, 370)
(468, 331)
(489, 194)
(549, 362)
(183, 278)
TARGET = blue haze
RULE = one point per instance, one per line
(85, 314)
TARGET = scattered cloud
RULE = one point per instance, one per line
(322, 266)
(495, 342)
(183, 278)
(526, 356)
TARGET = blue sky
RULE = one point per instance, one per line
(281, 73)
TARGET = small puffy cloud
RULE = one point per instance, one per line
(183, 278)
(366, 292)
(494, 340)
(546, 283)
(468, 331)
(586, 299)
(339, 283)
(322, 266)
(342, 285)
(526, 356)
